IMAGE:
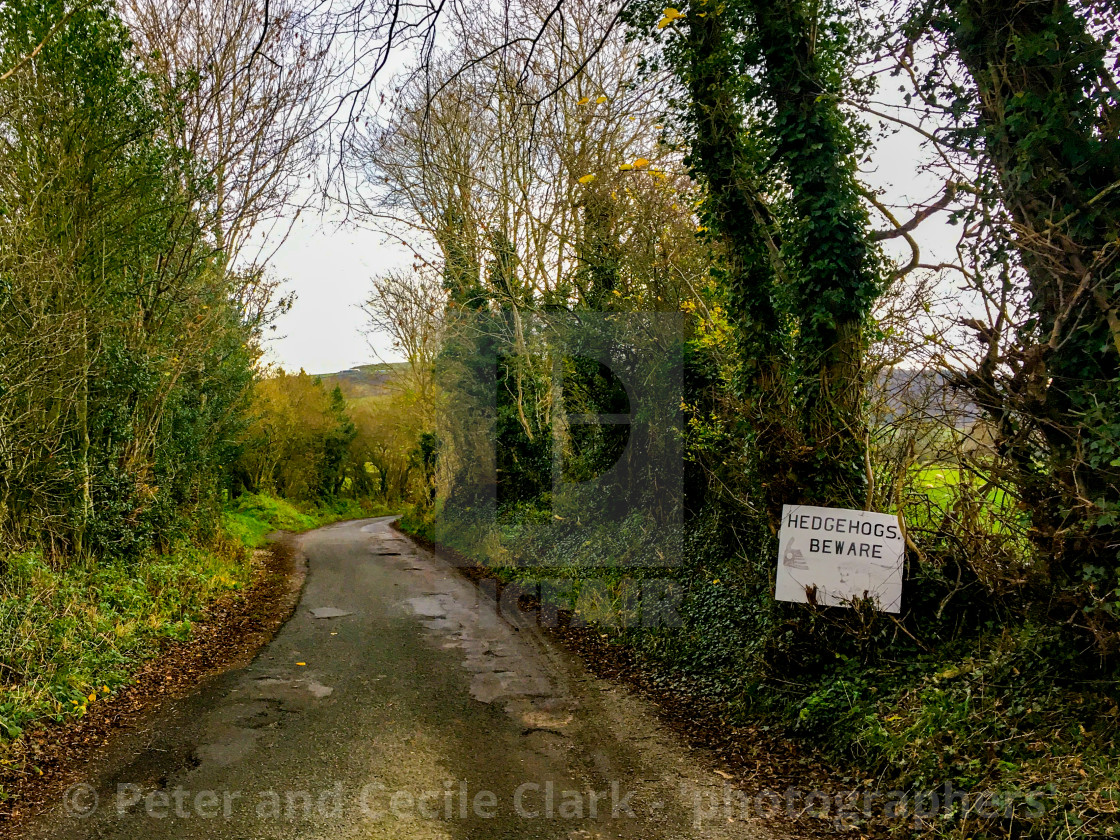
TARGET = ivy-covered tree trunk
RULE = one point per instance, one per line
(723, 160)
(1048, 117)
(802, 279)
(832, 269)
(458, 238)
(600, 254)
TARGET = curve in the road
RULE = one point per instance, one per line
(398, 703)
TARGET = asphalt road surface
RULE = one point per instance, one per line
(398, 703)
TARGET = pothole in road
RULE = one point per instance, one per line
(547, 741)
(428, 606)
(549, 713)
(267, 712)
(318, 690)
(190, 762)
(503, 669)
(282, 690)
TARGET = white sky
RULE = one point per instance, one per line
(329, 266)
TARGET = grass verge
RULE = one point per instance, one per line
(72, 634)
(75, 633)
(253, 516)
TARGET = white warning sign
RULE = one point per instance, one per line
(832, 556)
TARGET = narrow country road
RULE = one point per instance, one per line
(396, 703)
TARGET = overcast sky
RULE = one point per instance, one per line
(329, 268)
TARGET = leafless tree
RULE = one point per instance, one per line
(253, 80)
(409, 307)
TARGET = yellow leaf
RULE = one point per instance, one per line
(105, 688)
(670, 15)
(626, 167)
(641, 163)
(92, 696)
(587, 179)
(894, 717)
(956, 671)
(584, 101)
(301, 663)
(659, 126)
(601, 100)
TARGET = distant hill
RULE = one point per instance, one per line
(907, 393)
(364, 380)
(925, 393)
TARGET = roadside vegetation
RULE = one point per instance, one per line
(253, 516)
(713, 165)
(72, 635)
(671, 215)
(145, 448)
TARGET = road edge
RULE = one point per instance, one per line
(770, 762)
(230, 634)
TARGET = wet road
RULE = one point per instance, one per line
(397, 703)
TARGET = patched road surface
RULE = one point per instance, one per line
(398, 703)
